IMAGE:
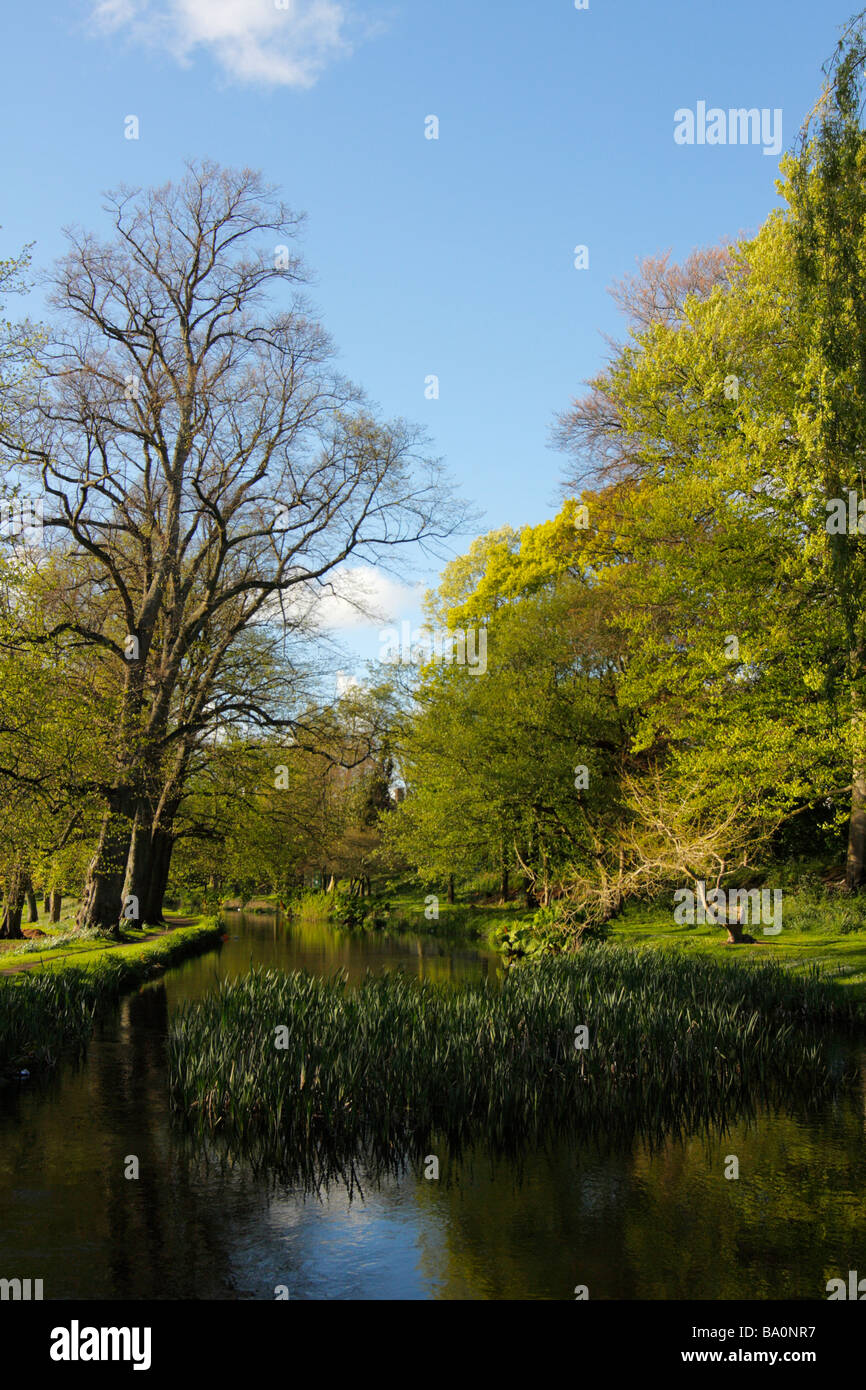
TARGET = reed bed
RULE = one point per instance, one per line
(374, 1072)
(44, 1012)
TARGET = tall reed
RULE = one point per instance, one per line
(379, 1069)
(44, 1011)
(40, 1014)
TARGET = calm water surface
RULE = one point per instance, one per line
(640, 1224)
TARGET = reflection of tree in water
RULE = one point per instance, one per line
(162, 1239)
(311, 942)
(792, 1220)
(616, 1123)
(166, 1232)
(661, 1223)
(531, 1231)
(75, 1220)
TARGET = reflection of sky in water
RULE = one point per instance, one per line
(338, 1249)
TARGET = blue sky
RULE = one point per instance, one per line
(454, 256)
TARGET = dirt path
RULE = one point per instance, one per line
(119, 946)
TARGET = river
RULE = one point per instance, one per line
(632, 1224)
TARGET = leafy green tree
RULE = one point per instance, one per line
(826, 191)
(515, 768)
(710, 539)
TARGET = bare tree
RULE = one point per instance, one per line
(591, 430)
(666, 835)
(200, 455)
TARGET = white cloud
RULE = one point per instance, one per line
(252, 40)
(365, 597)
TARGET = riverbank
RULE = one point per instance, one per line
(63, 943)
(49, 1003)
(819, 930)
(833, 946)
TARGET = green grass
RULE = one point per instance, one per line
(62, 941)
(68, 945)
(51, 930)
(52, 1007)
(378, 1071)
(818, 929)
(466, 916)
(815, 932)
(137, 957)
(258, 903)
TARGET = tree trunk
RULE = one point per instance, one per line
(139, 870)
(618, 901)
(504, 885)
(102, 900)
(162, 847)
(101, 907)
(56, 904)
(737, 937)
(450, 888)
(32, 910)
(46, 902)
(10, 926)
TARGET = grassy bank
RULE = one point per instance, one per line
(382, 1069)
(819, 929)
(406, 908)
(52, 1006)
(64, 940)
(816, 933)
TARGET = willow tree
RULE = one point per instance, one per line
(827, 196)
(201, 456)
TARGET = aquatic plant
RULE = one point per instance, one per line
(44, 1011)
(40, 1014)
(301, 1073)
